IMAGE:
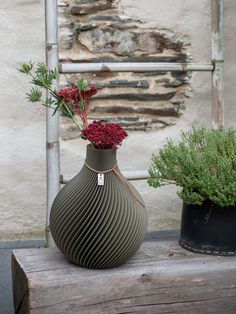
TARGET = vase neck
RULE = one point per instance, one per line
(100, 159)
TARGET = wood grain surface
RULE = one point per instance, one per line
(161, 278)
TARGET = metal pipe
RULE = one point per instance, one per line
(52, 123)
(218, 61)
(129, 175)
(133, 67)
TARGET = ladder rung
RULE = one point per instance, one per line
(129, 175)
(133, 67)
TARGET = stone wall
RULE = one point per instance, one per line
(98, 31)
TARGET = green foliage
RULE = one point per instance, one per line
(82, 84)
(203, 164)
(25, 67)
(34, 95)
(43, 78)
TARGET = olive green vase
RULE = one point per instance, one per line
(98, 226)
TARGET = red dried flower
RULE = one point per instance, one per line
(87, 94)
(69, 95)
(104, 135)
(78, 100)
(85, 97)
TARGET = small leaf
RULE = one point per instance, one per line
(25, 67)
(34, 95)
(41, 68)
(82, 84)
(56, 109)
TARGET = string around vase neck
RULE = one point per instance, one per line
(119, 175)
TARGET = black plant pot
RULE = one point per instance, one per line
(208, 229)
(98, 226)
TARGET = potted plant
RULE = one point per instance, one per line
(98, 219)
(203, 165)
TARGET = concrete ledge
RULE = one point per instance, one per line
(161, 278)
(21, 244)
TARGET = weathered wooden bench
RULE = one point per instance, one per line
(161, 278)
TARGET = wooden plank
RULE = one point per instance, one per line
(218, 61)
(20, 291)
(132, 67)
(161, 278)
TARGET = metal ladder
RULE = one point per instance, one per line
(215, 66)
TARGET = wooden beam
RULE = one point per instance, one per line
(132, 67)
(218, 61)
(161, 278)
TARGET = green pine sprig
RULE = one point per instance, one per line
(44, 79)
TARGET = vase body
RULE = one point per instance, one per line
(208, 229)
(98, 226)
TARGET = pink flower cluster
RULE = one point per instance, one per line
(104, 135)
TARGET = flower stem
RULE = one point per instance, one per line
(71, 116)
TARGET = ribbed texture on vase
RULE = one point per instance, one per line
(98, 226)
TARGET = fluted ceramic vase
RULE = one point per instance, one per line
(98, 226)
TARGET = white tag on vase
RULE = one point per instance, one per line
(100, 178)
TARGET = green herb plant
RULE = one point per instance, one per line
(202, 164)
